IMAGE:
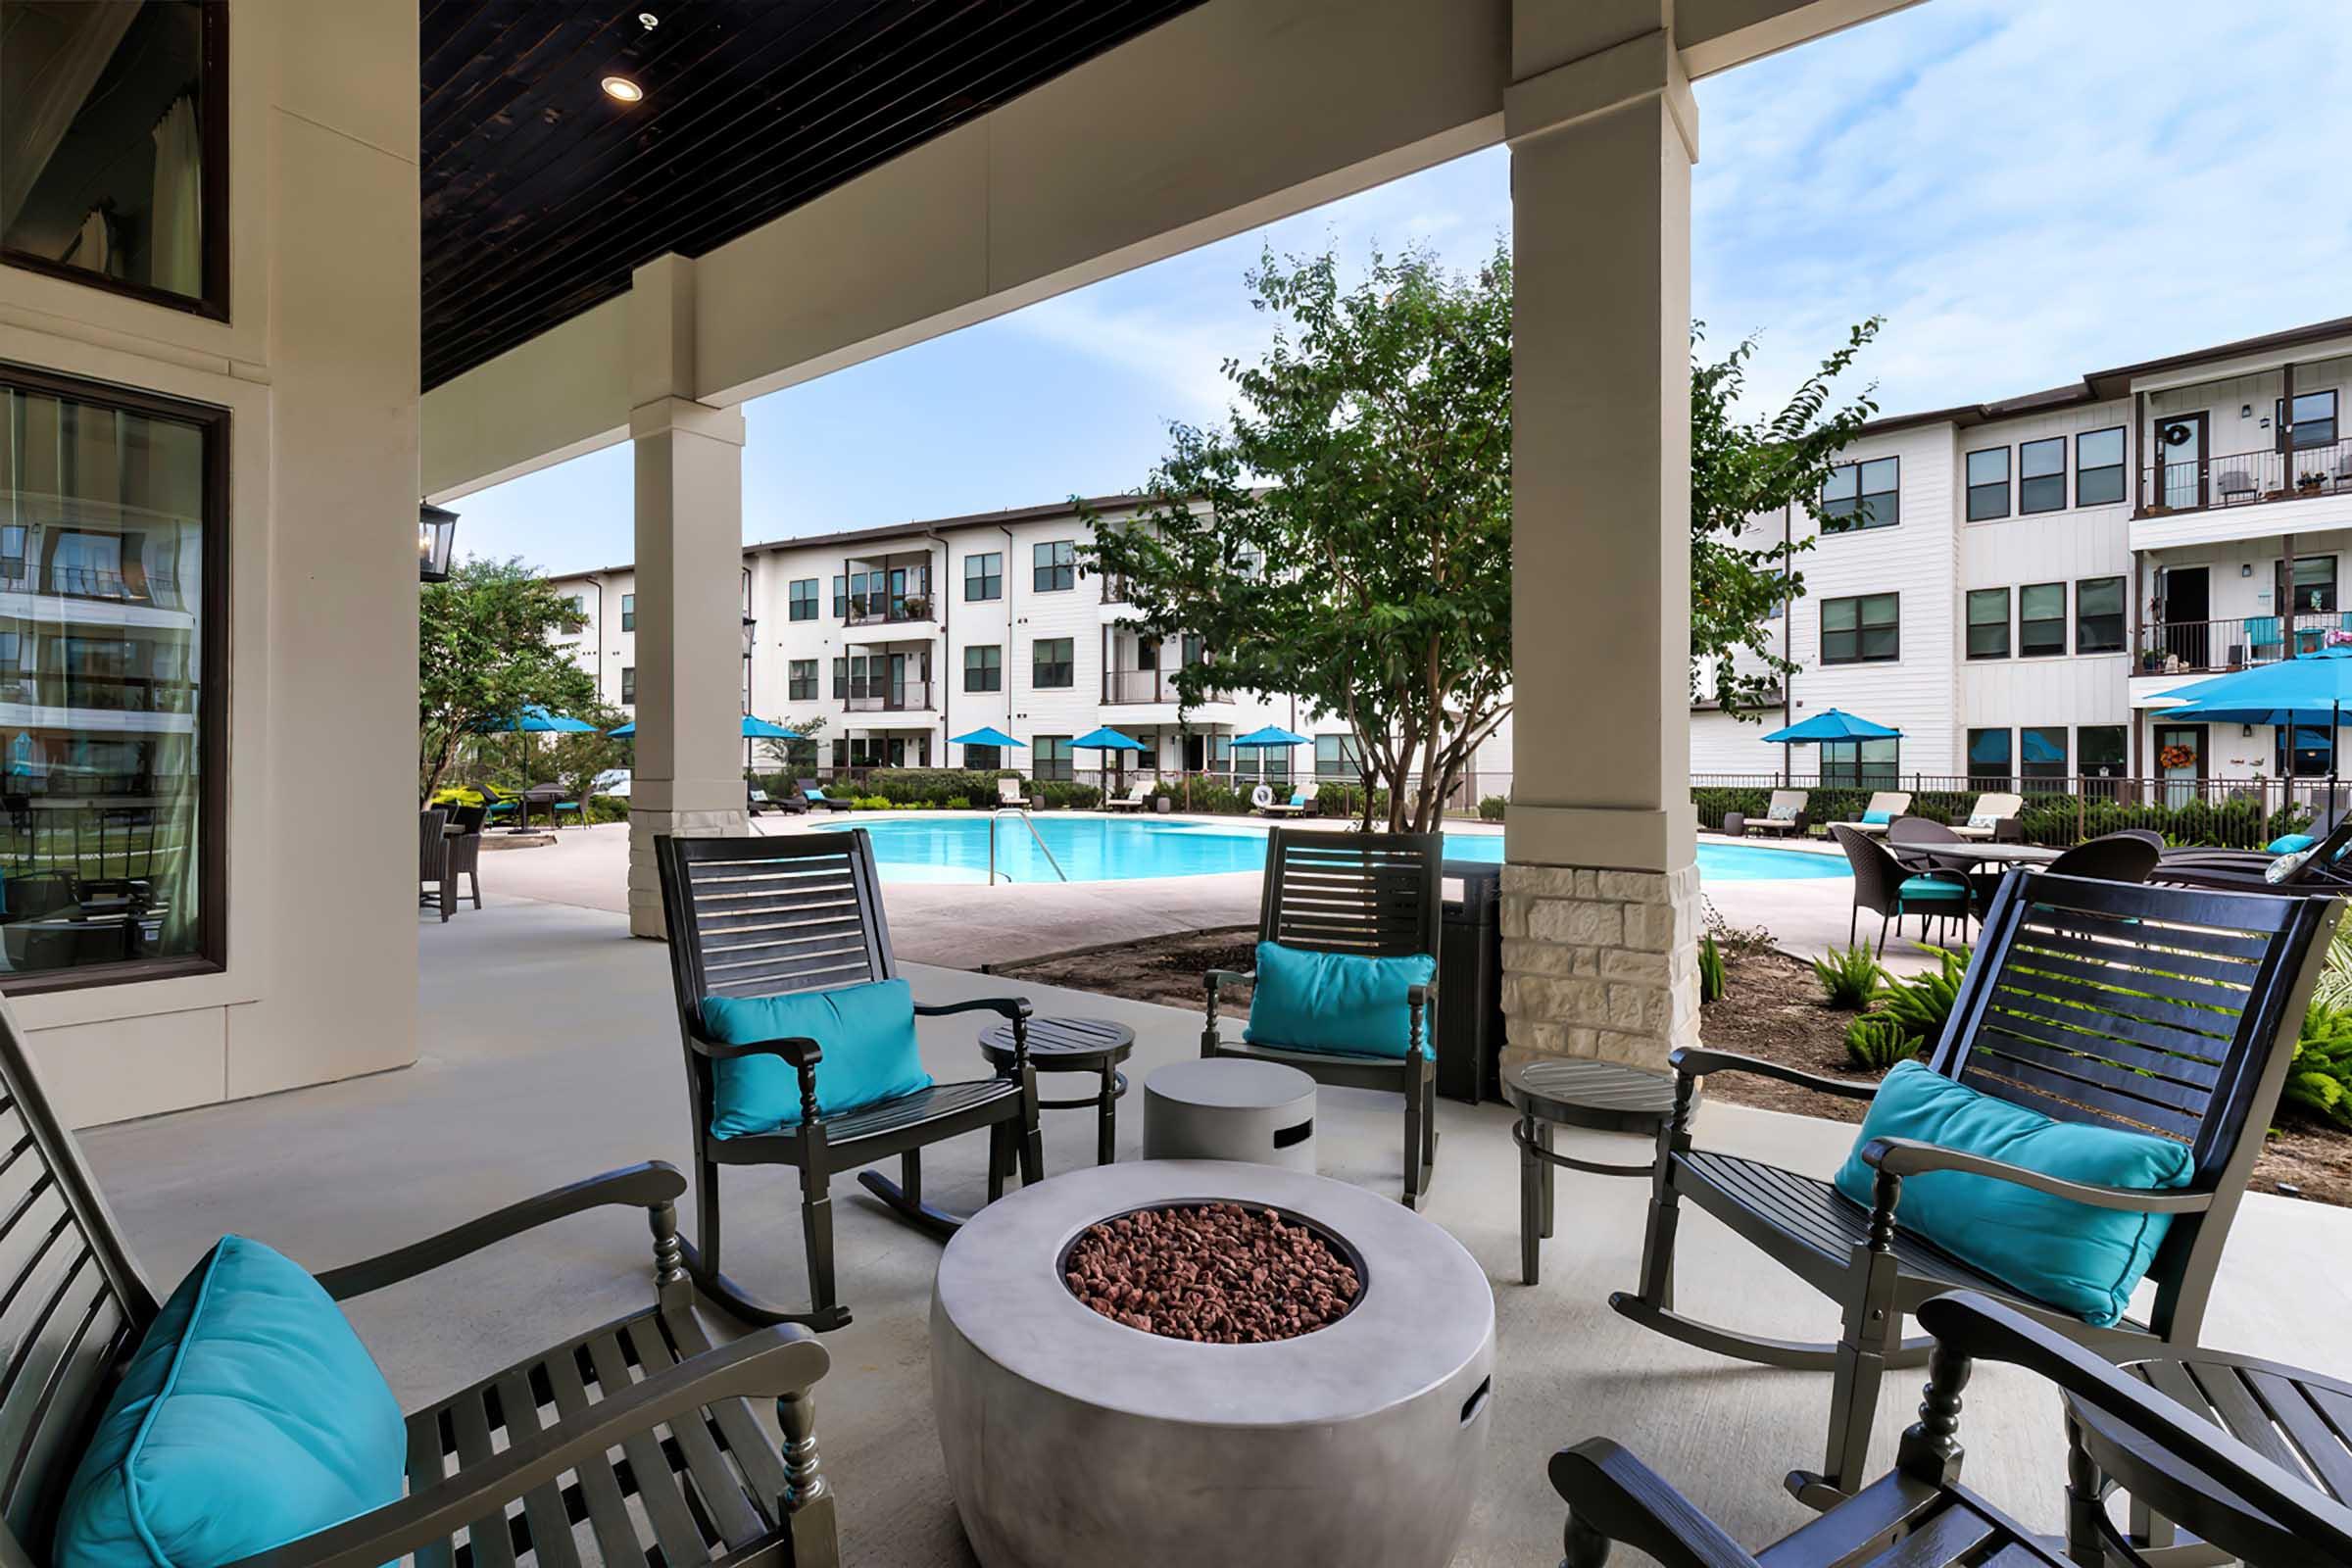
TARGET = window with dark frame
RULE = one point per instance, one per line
(1989, 624)
(1337, 757)
(2099, 616)
(628, 685)
(983, 577)
(2313, 752)
(799, 680)
(1052, 757)
(1054, 566)
(2315, 584)
(1866, 628)
(1053, 663)
(2040, 620)
(628, 612)
(2041, 751)
(985, 758)
(1862, 494)
(2103, 750)
(1989, 757)
(2312, 423)
(126, 188)
(2041, 475)
(1988, 484)
(2099, 468)
(841, 680)
(800, 599)
(841, 598)
(984, 668)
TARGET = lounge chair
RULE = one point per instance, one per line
(1994, 816)
(1786, 814)
(1301, 804)
(2134, 1009)
(2324, 867)
(812, 797)
(1884, 808)
(1009, 793)
(1136, 799)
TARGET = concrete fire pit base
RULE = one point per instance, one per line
(1071, 1440)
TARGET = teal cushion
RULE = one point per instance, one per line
(1928, 889)
(2290, 843)
(251, 1416)
(1336, 1002)
(866, 1033)
(2056, 1250)
(1298, 796)
(812, 793)
(1877, 819)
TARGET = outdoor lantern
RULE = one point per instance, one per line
(436, 531)
(750, 630)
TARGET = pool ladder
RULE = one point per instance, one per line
(1022, 812)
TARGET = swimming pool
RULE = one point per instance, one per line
(1098, 848)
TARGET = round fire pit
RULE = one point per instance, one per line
(1074, 1437)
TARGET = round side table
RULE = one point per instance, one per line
(1073, 1044)
(1561, 1091)
(1220, 1108)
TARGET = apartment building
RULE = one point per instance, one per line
(901, 637)
(2017, 585)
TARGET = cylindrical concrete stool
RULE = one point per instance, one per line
(1223, 1108)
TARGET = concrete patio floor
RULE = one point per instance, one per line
(550, 1051)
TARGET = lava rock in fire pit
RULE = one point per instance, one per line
(1211, 1273)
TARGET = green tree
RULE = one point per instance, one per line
(574, 759)
(1740, 469)
(1346, 538)
(486, 651)
(780, 756)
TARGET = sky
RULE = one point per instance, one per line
(2025, 189)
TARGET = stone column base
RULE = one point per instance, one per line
(1600, 963)
(645, 877)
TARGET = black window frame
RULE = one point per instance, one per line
(799, 680)
(628, 612)
(2300, 591)
(1054, 566)
(1970, 624)
(2110, 641)
(1344, 761)
(840, 677)
(1984, 773)
(1052, 757)
(991, 583)
(1977, 488)
(2061, 769)
(628, 685)
(990, 672)
(2291, 440)
(1860, 601)
(2120, 735)
(982, 758)
(1858, 506)
(2025, 480)
(1044, 670)
(2122, 456)
(800, 606)
(841, 595)
(2061, 620)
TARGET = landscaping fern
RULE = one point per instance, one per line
(2320, 1079)
(1922, 1002)
(1849, 976)
(1876, 1040)
(1711, 977)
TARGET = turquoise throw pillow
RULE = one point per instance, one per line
(1877, 819)
(1337, 1002)
(814, 794)
(251, 1416)
(2290, 843)
(2067, 1255)
(868, 1035)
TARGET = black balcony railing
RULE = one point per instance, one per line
(1148, 686)
(2246, 478)
(890, 697)
(1117, 590)
(887, 609)
(2192, 647)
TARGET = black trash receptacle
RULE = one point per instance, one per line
(1469, 1021)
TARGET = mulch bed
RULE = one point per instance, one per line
(1211, 1273)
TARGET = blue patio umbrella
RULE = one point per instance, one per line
(2287, 693)
(533, 719)
(753, 729)
(986, 735)
(1107, 741)
(1834, 726)
(1273, 735)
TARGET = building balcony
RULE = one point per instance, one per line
(2246, 479)
(892, 610)
(2208, 647)
(1128, 686)
(892, 696)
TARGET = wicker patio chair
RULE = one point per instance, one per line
(1918, 1515)
(2104, 1003)
(1890, 890)
(548, 1463)
(776, 916)
(436, 887)
(1372, 895)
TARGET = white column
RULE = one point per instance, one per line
(689, 455)
(1600, 894)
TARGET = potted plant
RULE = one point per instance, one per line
(2309, 483)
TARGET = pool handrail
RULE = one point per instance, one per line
(1022, 812)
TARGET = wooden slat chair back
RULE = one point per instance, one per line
(1368, 895)
(779, 916)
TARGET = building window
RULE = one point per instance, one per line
(984, 668)
(801, 597)
(115, 762)
(1988, 484)
(2099, 468)
(1193, 653)
(2041, 476)
(1861, 495)
(841, 680)
(841, 598)
(2315, 584)
(628, 612)
(1859, 764)
(1055, 565)
(985, 757)
(1337, 756)
(2103, 750)
(115, 170)
(2313, 423)
(1989, 624)
(1864, 629)
(2314, 751)
(2040, 620)
(2099, 616)
(800, 680)
(1989, 757)
(2043, 751)
(1052, 663)
(984, 577)
(628, 685)
(1053, 756)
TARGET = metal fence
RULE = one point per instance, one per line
(2057, 809)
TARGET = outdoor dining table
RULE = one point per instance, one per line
(1982, 853)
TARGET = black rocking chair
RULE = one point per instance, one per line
(2113, 1004)
(1375, 895)
(550, 1463)
(1919, 1516)
(763, 918)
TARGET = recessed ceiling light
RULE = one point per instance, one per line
(648, 20)
(622, 90)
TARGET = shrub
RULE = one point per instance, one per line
(959, 803)
(872, 802)
(1491, 807)
(2319, 1078)
(1921, 1003)
(1711, 977)
(1063, 795)
(1876, 1040)
(1849, 976)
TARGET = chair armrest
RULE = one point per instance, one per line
(1229, 977)
(652, 1186)
(1613, 1494)
(1906, 1156)
(1013, 1008)
(1694, 1061)
(776, 1362)
(799, 1050)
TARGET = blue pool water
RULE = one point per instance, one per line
(1095, 849)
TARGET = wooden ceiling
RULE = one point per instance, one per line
(541, 193)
